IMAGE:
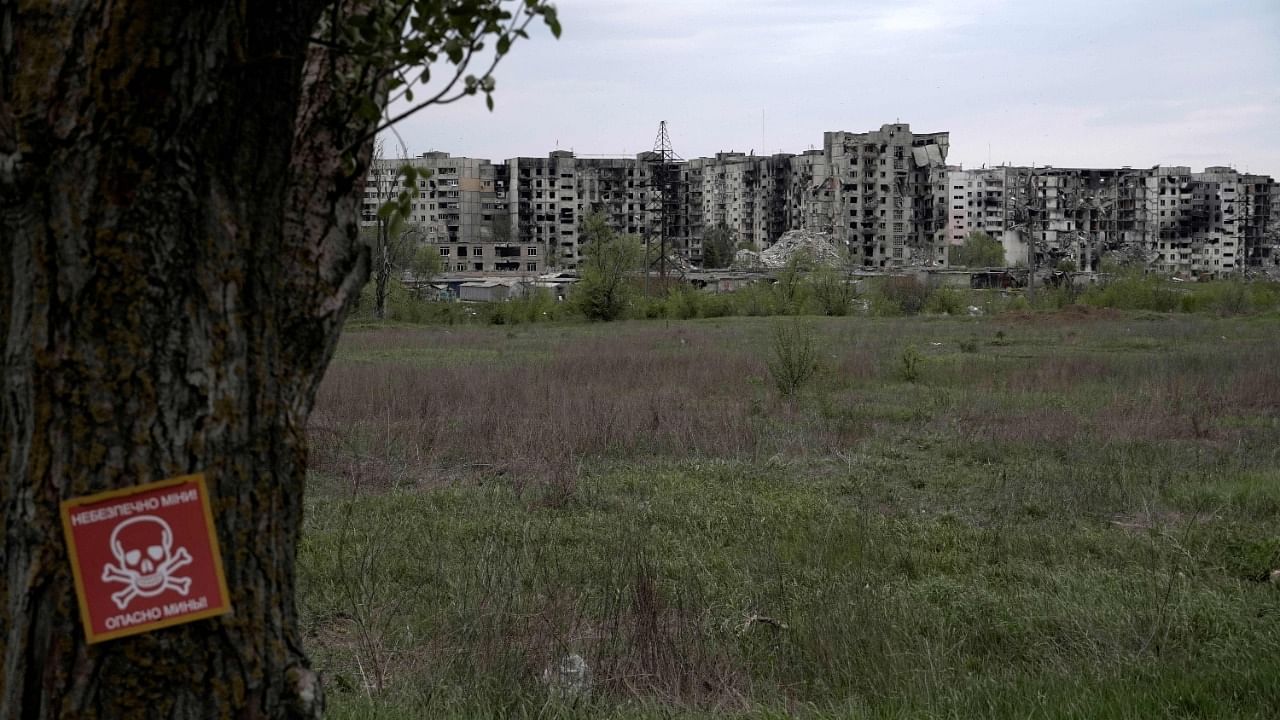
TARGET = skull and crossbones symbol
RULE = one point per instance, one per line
(143, 547)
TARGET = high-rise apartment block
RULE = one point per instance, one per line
(885, 193)
(1169, 218)
(461, 206)
(886, 196)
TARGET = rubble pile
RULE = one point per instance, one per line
(817, 247)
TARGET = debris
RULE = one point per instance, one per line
(754, 619)
(817, 246)
(975, 311)
(1275, 577)
(568, 678)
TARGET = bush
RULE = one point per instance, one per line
(604, 290)
(1232, 299)
(979, 250)
(1056, 298)
(536, 305)
(1132, 291)
(910, 364)
(757, 299)
(717, 305)
(684, 303)
(791, 292)
(795, 357)
(832, 292)
(404, 306)
(944, 301)
(905, 294)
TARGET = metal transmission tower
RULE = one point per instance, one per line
(664, 202)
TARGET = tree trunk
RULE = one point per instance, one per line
(382, 271)
(177, 253)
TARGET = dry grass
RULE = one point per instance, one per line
(648, 395)
(1073, 520)
(435, 407)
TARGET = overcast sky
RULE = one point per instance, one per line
(1082, 83)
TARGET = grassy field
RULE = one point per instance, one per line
(1034, 515)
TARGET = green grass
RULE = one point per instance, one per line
(1076, 520)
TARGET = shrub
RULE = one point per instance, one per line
(605, 290)
(907, 294)
(684, 303)
(717, 305)
(1056, 297)
(1232, 299)
(832, 292)
(795, 357)
(757, 299)
(944, 301)
(910, 364)
(791, 293)
(979, 250)
(1132, 291)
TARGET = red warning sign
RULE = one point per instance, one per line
(145, 557)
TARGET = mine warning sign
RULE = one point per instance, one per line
(145, 557)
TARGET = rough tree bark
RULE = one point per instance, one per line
(178, 248)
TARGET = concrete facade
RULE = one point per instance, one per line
(887, 197)
(887, 194)
(543, 206)
(1170, 219)
(747, 194)
(461, 206)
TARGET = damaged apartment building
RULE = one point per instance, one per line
(461, 206)
(886, 196)
(1168, 219)
(877, 193)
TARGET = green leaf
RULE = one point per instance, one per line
(454, 50)
(367, 110)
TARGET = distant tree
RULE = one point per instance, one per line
(788, 285)
(394, 251)
(718, 247)
(425, 264)
(979, 250)
(604, 288)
